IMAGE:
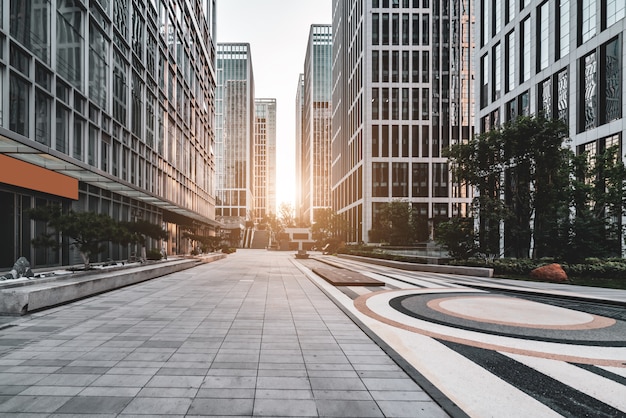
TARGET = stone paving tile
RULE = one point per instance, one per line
(410, 409)
(94, 405)
(168, 392)
(225, 406)
(348, 408)
(248, 393)
(33, 403)
(285, 407)
(153, 406)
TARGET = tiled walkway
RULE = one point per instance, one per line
(247, 336)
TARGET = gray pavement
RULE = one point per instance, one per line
(250, 335)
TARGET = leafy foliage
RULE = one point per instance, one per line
(397, 224)
(458, 237)
(569, 207)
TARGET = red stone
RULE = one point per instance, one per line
(550, 273)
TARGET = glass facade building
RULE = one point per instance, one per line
(403, 93)
(569, 64)
(234, 137)
(117, 98)
(315, 129)
(264, 158)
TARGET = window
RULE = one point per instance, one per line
(119, 88)
(440, 179)
(30, 26)
(562, 95)
(419, 181)
(614, 12)
(43, 106)
(509, 10)
(587, 20)
(375, 103)
(62, 129)
(611, 88)
(405, 29)
(525, 51)
(484, 22)
(395, 29)
(385, 29)
(496, 72)
(98, 66)
(405, 66)
(484, 81)
(375, 66)
(562, 27)
(19, 105)
(510, 61)
(589, 91)
(395, 66)
(400, 180)
(380, 179)
(497, 16)
(70, 41)
(545, 97)
(415, 67)
(385, 103)
(375, 28)
(415, 29)
(425, 30)
(543, 36)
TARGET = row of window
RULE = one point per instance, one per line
(425, 180)
(401, 28)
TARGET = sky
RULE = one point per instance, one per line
(278, 32)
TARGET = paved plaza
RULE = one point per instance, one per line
(260, 334)
(250, 335)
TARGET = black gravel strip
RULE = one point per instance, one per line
(601, 372)
(557, 396)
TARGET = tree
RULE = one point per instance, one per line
(328, 229)
(286, 215)
(520, 171)
(394, 224)
(597, 197)
(138, 232)
(89, 231)
(458, 237)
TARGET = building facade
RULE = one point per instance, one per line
(299, 103)
(108, 107)
(402, 94)
(234, 139)
(264, 158)
(314, 187)
(561, 58)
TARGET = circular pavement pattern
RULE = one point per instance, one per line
(517, 312)
(504, 323)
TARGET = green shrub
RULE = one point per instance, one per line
(153, 254)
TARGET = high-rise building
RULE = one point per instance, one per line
(402, 94)
(234, 139)
(563, 59)
(314, 144)
(299, 155)
(108, 107)
(264, 158)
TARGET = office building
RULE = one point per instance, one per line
(108, 107)
(264, 158)
(560, 58)
(299, 107)
(314, 128)
(234, 140)
(402, 94)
